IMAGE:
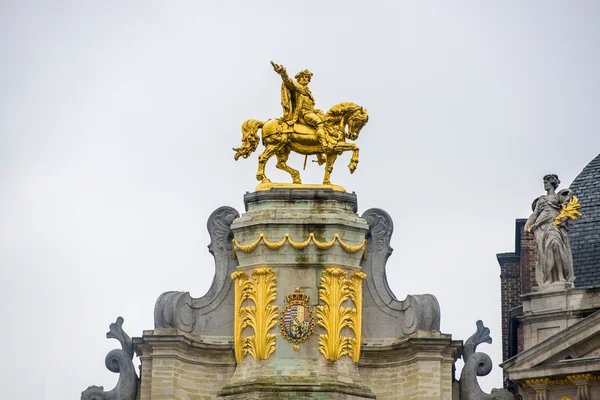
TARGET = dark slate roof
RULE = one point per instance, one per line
(585, 232)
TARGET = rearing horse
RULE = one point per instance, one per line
(280, 139)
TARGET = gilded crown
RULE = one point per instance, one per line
(297, 297)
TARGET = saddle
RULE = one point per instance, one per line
(299, 128)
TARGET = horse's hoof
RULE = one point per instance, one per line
(327, 183)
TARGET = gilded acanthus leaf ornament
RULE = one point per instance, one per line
(303, 129)
(355, 291)
(240, 280)
(333, 291)
(261, 317)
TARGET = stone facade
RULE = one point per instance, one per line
(420, 366)
(190, 353)
(180, 366)
(308, 249)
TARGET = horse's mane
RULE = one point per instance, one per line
(340, 109)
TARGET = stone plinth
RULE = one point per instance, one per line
(546, 313)
(298, 213)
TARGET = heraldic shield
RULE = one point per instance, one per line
(297, 320)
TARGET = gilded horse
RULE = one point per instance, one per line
(280, 139)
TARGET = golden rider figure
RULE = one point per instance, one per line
(299, 104)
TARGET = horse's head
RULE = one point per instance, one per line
(357, 120)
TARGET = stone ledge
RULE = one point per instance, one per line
(301, 387)
(301, 194)
(420, 346)
(183, 347)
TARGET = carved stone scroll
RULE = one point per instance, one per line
(179, 310)
(118, 361)
(384, 313)
(478, 364)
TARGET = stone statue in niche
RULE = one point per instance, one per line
(549, 224)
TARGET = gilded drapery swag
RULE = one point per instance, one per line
(247, 248)
(571, 379)
(333, 291)
(261, 317)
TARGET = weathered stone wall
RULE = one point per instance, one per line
(418, 367)
(181, 367)
(178, 366)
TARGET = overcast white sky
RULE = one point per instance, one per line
(117, 120)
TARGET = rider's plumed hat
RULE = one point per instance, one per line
(306, 73)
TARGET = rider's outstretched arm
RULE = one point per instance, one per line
(289, 82)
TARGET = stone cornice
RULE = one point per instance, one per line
(416, 347)
(564, 369)
(561, 341)
(184, 347)
(302, 194)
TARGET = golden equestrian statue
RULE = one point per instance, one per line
(303, 129)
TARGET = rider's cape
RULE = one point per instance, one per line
(292, 102)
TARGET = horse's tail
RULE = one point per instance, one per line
(250, 138)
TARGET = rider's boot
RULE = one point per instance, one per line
(323, 142)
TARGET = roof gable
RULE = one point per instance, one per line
(579, 344)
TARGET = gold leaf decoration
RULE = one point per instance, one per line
(247, 248)
(240, 280)
(569, 210)
(297, 320)
(355, 291)
(261, 317)
(333, 291)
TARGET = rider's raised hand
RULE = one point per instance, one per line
(278, 68)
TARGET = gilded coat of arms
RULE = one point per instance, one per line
(297, 320)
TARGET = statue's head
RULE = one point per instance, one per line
(304, 77)
(551, 180)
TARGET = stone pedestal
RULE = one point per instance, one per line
(304, 232)
(553, 310)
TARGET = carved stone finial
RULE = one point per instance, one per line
(118, 361)
(478, 364)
